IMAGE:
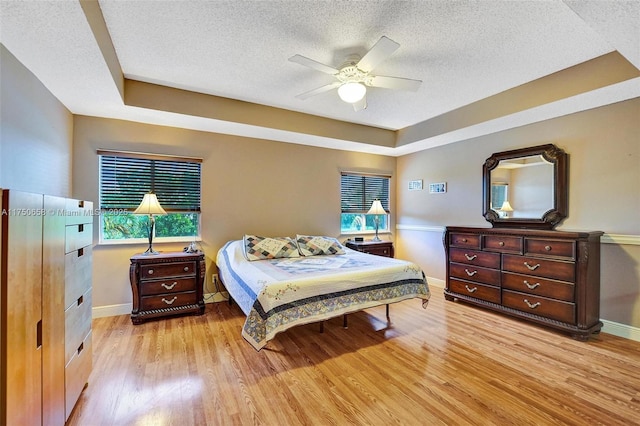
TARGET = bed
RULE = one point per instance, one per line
(280, 292)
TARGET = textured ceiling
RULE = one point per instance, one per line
(462, 51)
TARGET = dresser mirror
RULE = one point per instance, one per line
(526, 188)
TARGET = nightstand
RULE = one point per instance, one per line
(379, 248)
(166, 284)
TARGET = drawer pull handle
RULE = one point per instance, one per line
(464, 240)
(547, 248)
(531, 286)
(470, 273)
(470, 257)
(169, 302)
(501, 243)
(532, 268)
(186, 269)
(150, 271)
(471, 290)
(531, 305)
(169, 287)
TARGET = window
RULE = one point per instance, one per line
(124, 179)
(357, 193)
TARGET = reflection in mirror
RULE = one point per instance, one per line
(526, 188)
(531, 182)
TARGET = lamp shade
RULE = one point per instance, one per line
(150, 205)
(506, 207)
(376, 208)
(352, 92)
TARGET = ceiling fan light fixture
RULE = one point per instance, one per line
(352, 92)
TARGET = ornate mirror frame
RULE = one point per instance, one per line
(551, 217)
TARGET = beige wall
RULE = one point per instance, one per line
(244, 181)
(35, 133)
(248, 186)
(604, 194)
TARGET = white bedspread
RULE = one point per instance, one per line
(277, 294)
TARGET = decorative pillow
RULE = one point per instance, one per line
(313, 246)
(258, 248)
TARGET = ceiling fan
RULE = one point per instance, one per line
(354, 76)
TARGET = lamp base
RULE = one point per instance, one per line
(376, 238)
(150, 251)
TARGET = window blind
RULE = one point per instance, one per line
(125, 178)
(357, 192)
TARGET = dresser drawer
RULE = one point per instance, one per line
(563, 271)
(176, 285)
(464, 240)
(77, 324)
(78, 236)
(175, 269)
(163, 301)
(542, 306)
(539, 286)
(76, 373)
(479, 291)
(553, 248)
(78, 274)
(475, 273)
(503, 243)
(473, 257)
(78, 211)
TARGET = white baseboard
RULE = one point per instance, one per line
(621, 330)
(436, 282)
(111, 310)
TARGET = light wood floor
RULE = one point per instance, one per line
(448, 364)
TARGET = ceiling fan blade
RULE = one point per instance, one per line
(302, 60)
(360, 105)
(319, 90)
(378, 53)
(395, 83)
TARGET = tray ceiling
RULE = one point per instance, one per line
(467, 54)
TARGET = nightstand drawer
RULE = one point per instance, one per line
(379, 251)
(475, 273)
(176, 285)
(479, 291)
(175, 269)
(548, 308)
(163, 301)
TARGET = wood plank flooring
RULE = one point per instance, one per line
(448, 364)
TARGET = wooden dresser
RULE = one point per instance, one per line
(547, 277)
(45, 307)
(166, 284)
